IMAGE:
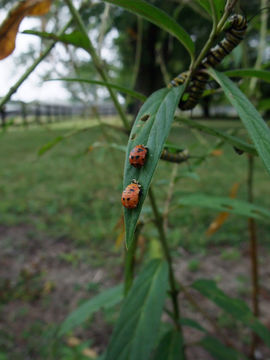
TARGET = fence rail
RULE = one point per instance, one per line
(21, 113)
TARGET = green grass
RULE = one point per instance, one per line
(69, 192)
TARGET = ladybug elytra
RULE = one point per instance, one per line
(131, 194)
(137, 156)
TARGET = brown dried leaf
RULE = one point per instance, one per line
(10, 26)
(220, 219)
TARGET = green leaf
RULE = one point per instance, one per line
(75, 38)
(264, 104)
(160, 108)
(218, 4)
(232, 140)
(235, 307)
(218, 350)
(159, 18)
(170, 347)
(50, 145)
(252, 120)
(260, 74)
(192, 323)
(106, 299)
(137, 327)
(233, 206)
(122, 89)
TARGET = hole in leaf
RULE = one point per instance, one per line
(145, 117)
(133, 136)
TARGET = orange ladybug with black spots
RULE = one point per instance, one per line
(137, 156)
(131, 195)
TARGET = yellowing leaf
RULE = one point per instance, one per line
(217, 152)
(73, 341)
(89, 353)
(220, 219)
(40, 8)
(10, 26)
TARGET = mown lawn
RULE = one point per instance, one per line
(74, 193)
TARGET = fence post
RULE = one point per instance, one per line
(24, 113)
(3, 116)
(37, 114)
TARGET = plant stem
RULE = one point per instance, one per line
(216, 29)
(166, 251)
(97, 62)
(253, 243)
(130, 260)
(15, 87)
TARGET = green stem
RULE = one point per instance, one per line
(253, 243)
(15, 87)
(216, 29)
(166, 251)
(214, 15)
(97, 62)
(130, 260)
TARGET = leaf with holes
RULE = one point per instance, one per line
(137, 327)
(170, 347)
(159, 18)
(150, 129)
(252, 120)
(225, 204)
(237, 308)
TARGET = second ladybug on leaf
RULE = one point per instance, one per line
(137, 156)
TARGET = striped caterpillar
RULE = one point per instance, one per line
(177, 157)
(233, 36)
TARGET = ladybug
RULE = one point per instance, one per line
(131, 194)
(137, 156)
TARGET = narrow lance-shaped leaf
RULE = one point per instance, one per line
(230, 139)
(233, 206)
(106, 299)
(171, 347)
(260, 74)
(151, 129)
(219, 351)
(235, 307)
(136, 329)
(218, 5)
(75, 38)
(252, 120)
(159, 18)
(120, 88)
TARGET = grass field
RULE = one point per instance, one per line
(60, 216)
(74, 193)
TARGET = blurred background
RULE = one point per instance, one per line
(62, 150)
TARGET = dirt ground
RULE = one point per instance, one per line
(39, 286)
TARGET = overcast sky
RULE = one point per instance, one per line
(31, 89)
